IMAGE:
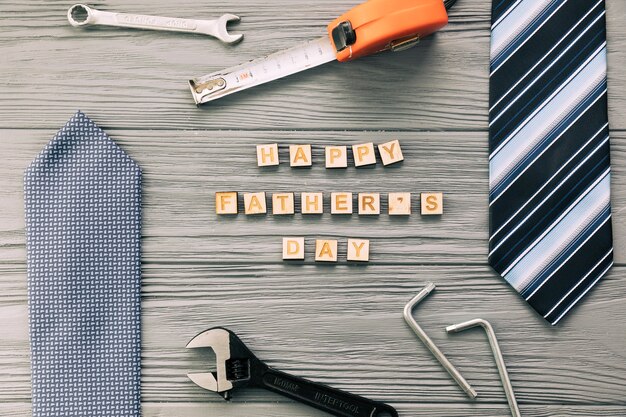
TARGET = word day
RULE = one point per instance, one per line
(326, 250)
(336, 156)
(398, 204)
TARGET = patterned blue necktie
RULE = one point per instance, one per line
(549, 162)
(83, 229)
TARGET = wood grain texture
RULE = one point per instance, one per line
(340, 323)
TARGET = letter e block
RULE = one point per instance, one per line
(282, 203)
(399, 204)
(312, 203)
(369, 204)
(364, 154)
(390, 152)
(432, 204)
(358, 250)
(336, 157)
(226, 203)
(267, 155)
(293, 248)
(254, 203)
(326, 251)
(300, 155)
(341, 203)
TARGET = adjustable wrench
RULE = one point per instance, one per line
(238, 367)
(82, 15)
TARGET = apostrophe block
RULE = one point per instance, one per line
(341, 203)
(364, 154)
(267, 155)
(293, 248)
(390, 152)
(254, 203)
(336, 157)
(432, 204)
(226, 203)
(369, 204)
(399, 204)
(300, 155)
(326, 251)
(358, 250)
(282, 203)
(312, 203)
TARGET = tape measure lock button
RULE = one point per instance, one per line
(343, 35)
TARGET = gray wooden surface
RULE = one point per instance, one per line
(338, 324)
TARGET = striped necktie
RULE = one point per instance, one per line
(83, 232)
(549, 167)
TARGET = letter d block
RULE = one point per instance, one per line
(226, 203)
(293, 248)
(326, 251)
(432, 204)
(254, 203)
(267, 155)
(358, 250)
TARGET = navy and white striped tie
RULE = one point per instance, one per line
(549, 168)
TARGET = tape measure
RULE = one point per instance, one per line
(369, 28)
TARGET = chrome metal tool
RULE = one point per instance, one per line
(238, 367)
(80, 15)
(497, 354)
(438, 354)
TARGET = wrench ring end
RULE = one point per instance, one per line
(79, 15)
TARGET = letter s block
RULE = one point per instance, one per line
(432, 204)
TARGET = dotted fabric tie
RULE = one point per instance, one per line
(83, 229)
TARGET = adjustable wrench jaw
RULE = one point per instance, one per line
(236, 364)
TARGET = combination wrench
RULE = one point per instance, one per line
(80, 15)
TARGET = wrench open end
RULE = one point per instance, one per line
(222, 31)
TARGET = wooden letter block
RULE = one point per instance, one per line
(267, 155)
(312, 203)
(399, 204)
(254, 203)
(336, 157)
(432, 204)
(369, 204)
(358, 250)
(293, 248)
(282, 203)
(326, 251)
(300, 155)
(226, 203)
(390, 152)
(341, 203)
(364, 154)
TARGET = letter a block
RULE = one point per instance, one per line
(267, 155)
(358, 250)
(390, 152)
(282, 203)
(300, 155)
(293, 248)
(226, 203)
(364, 154)
(432, 204)
(369, 204)
(399, 204)
(312, 203)
(341, 203)
(254, 203)
(336, 157)
(326, 251)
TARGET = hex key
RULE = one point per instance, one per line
(408, 316)
(497, 354)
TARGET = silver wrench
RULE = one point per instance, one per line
(82, 15)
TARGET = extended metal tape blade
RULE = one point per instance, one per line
(260, 71)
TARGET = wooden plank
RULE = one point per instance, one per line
(179, 197)
(51, 69)
(342, 324)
